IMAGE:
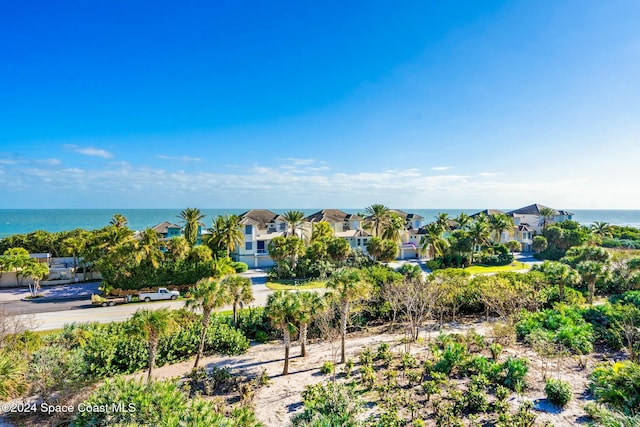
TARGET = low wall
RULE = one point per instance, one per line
(9, 280)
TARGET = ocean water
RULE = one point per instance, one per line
(14, 221)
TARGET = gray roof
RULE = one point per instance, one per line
(405, 215)
(535, 209)
(163, 227)
(331, 215)
(487, 212)
(259, 217)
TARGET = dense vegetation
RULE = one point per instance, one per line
(583, 299)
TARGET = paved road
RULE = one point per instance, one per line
(45, 306)
(57, 319)
(71, 303)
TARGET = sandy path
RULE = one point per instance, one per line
(277, 402)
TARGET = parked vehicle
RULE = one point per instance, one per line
(160, 294)
(109, 301)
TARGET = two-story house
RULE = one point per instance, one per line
(167, 230)
(344, 225)
(528, 222)
(259, 227)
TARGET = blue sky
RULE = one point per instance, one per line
(424, 104)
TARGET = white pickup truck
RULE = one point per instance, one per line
(160, 294)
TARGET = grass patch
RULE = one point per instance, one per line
(288, 285)
(482, 269)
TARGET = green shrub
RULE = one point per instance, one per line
(566, 325)
(617, 385)
(111, 349)
(511, 373)
(155, 403)
(477, 365)
(476, 400)
(261, 337)
(558, 392)
(452, 357)
(54, 369)
(347, 369)
(496, 350)
(366, 357)
(515, 372)
(330, 404)
(608, 418)
(384, 354)
(629, 297)
(603, 318)
(253, 323)
(239, 267)
(551, 296)
(12, 375)
(327, 368)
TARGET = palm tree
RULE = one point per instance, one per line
(376, 216)
(348, 287)
(559, 274)
(208, 295)
(200, 253)
(35, 271)
(294, 222)
(479, 235)
(462, 220)
(222, 267)
(442, 219)
(546, 214)
(432, 241)
(310, 304)
(226, 232)
(113, 236)
(282, 311)
(601, 229)
(74, 246)
(152, 325)
(149, 247)
(178, 248)
(191, 218)
(392, 227)
(239, 291)
(590, 271)
(499, 223)
(321, 230)
(118, 221)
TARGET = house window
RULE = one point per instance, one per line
(261, 246)
(358, 242)
(248, 246)
(248, 229)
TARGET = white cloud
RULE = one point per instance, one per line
(180, 158)
(487, 174)
(300, 162)
(124, 185)
(89, 151)
(52, 162)
(440, 168)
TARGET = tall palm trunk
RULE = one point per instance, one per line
(75, 267)
(287, 344)
(592, 290)
(344, 313)
(206, 318)
(561, 291)
(153, 348)
(303, 339)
